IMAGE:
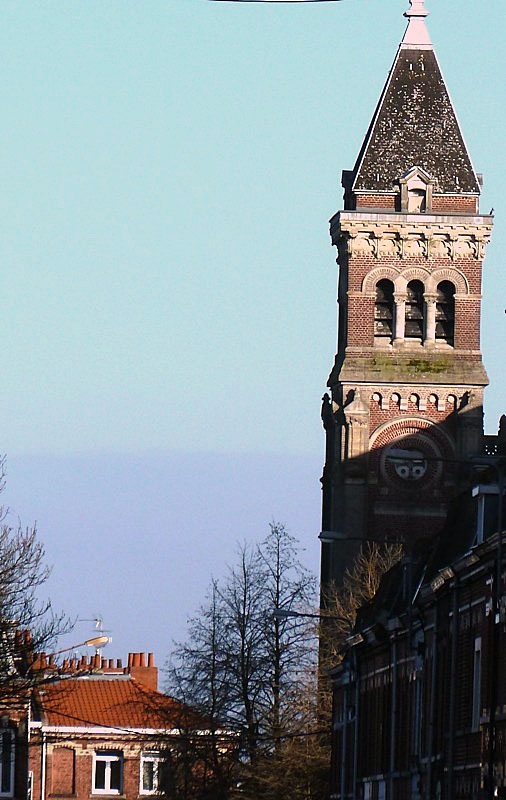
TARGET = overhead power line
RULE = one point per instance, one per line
(276, 1)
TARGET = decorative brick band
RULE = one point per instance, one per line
(400, 279)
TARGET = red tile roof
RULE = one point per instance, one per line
(118, 702)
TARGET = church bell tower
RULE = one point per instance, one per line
(404, 407)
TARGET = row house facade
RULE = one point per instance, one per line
(420, 697)
(94, 728)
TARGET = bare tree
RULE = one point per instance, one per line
(255, 674)
(360, 583)
(241, 665)
(28, 625)
(299, 766)
(198, 676)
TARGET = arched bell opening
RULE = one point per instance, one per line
(384, 311)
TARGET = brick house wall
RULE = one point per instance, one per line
(92, 727)
(411, 711)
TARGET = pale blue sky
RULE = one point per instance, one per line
(169, 318)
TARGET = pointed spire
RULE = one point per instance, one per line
(414, 123)
(416, 34)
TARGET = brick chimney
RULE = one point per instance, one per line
(143, 670)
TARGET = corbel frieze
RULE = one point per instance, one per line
(386, 240)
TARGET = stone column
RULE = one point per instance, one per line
(399, 315)
(430, 320)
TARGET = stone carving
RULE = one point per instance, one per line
(414, 246)
(389, 245)
(364, 245)
(464, 247)
(400, 240)
(440, 247)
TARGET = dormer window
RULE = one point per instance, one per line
(416, 187)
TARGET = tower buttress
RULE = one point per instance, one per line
(406, 389)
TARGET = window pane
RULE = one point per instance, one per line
(115, 775)
(100, 775)
(6, 763)
(148, 776)
(165, 776)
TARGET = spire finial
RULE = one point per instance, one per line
(416, 9)
(416, 34)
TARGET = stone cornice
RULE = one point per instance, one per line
(406, 366)
(395, 219)
(406, 236)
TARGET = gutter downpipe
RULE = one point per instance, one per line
(342, 781)
(453, 687)
(495, 639)
(28, 732)
(432, 707)
(357, 726)
(43, 767)
(393, 720)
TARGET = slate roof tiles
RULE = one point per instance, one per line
(415, 125)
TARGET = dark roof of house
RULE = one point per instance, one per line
(415, 125)
(428, 555)
(115, 702)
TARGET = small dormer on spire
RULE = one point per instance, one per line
(416, 34)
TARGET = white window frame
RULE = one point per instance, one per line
(156, 758)
(10, 733)
(107, 756)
